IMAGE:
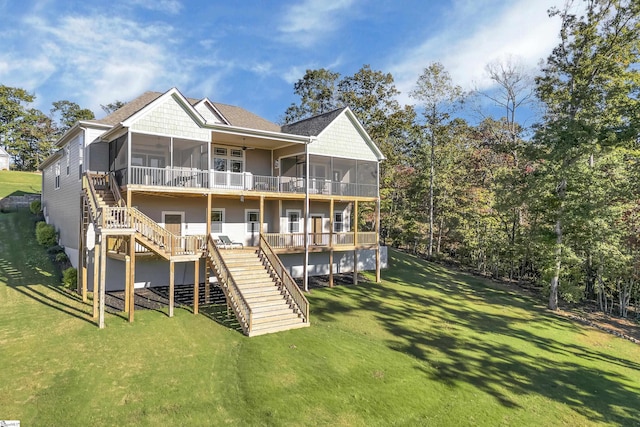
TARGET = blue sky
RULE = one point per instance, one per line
(250, 53)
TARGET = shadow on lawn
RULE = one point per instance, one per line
(430, 313)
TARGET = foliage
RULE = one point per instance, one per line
(69, 113)
(46, 234)
(391, 353)
(112, 106)
(35, 207)
(70, 278)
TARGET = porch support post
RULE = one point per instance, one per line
(378, 240)
(331, 219)
(128, 160)
(261, 216)
(127, 281)
(129, 198)
(132, 277)
(196, 285)
(306, 221)
(85, 257)
(207, 285)
(171, 287)
(103, 277)
(96, 278)
(81, 268)
(355, 241)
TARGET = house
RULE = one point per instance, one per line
(170, 191)
(4, 159)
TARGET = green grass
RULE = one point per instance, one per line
(427, 346)
(15, 183)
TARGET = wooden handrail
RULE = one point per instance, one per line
(286, 279)
(113, 187)
(238, 303)
(90, 193)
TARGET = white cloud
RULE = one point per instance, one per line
(307, 22)
(521, 28)
(171, 7)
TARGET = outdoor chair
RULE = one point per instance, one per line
(226, 242)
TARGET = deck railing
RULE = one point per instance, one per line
(115, 189)
(243, 181)
(290, 285)
(235, 299)
(296, 240)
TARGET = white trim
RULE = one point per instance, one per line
(224, 216)
(171, 93)
(182, 223)
(299, 212)
(246, 221)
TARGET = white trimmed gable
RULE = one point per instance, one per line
(171, 115)
(344, 138)
(208, 111)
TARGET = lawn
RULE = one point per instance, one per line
(427, 346)
(14, 183)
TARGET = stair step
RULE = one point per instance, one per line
(260, 291)
(258, 298)
(262, 318)
(273, 324)
(271, 310)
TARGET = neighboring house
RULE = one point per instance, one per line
(4, 159)
(153, 191)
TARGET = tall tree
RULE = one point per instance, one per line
(112, 106)
(67, 114)
(439, 97)
(317, 92)
(590, 86)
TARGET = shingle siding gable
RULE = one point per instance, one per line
(170, 118)
(342, 139)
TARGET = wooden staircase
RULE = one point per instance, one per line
(272, 307)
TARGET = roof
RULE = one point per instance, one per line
(313, 126)
(235, 116)
(129, 109)
(239, 117)
(3, 152)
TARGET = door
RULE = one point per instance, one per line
(316, 222)
(173, 223)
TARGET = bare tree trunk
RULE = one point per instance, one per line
(553, 291)
(440, 235)
(431, 180)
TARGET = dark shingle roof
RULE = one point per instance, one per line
(237, 116)
(313, 125)
(129, 109)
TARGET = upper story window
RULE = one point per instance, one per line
(66, 154)
(228, 159)
(80, 158)
(57, 179)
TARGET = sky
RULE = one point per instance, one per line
(250, 53)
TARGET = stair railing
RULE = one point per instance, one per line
(236, 300)
(151, 230)
(283, 274)
(90, 194)
(113, 187)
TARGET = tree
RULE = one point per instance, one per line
(113, 106)
(590, 87)
(317, 92)
(439, 98)
(69, 113)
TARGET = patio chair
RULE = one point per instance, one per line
(226, 242)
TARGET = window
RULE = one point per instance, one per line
(253, 221)
(57, 181)
(66, 153)
(228, 160)
(338, 225)
(217, 219)
(293, 221)
(80, 158)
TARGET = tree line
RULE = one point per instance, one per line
(28, 134)
(556, 203)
